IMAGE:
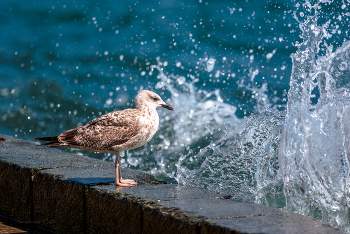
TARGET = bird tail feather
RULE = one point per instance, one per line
(53, 141)
(51, 138)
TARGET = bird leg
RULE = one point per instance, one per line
(118, 175)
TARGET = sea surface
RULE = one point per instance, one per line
(261, 90)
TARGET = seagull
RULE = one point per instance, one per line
(116, 131)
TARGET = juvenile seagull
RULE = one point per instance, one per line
(116, 131)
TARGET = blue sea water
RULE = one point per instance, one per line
(64, 63)
(235, 72)
(61, 56)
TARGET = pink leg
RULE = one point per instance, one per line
(118, 176)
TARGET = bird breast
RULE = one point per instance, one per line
(149, 124)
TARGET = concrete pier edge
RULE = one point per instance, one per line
(68, 193)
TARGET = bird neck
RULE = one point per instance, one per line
(150, 110)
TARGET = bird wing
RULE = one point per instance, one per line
(102, 133)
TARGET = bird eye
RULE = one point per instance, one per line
(154, 98)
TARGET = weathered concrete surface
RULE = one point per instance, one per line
(149, 216)
(113, 213)
(161, 192)
(29, 154)
(274, 224)
(58, 204)
(19, 162)
(221, 208)
(15, 183)
(161, 219)
(165, 208)
(98, 174)
(67, 193)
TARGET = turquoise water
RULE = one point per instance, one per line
(64, 63)
(260, 89)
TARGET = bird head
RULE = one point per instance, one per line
(150, 99)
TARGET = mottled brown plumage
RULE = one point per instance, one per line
(116, 131)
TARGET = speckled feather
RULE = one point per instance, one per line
(116, 131)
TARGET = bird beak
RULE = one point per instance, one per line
(167, 106)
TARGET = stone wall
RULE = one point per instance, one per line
(68, 193)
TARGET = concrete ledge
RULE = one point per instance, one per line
(65, 193)
(15, 191)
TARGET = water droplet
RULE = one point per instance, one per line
(343, 66)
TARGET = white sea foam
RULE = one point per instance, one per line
(297, 160)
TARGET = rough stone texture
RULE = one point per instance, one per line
(58, 204)
(104, 175)
(15, 183)
(159, 219)
(274, 224)
(221, 208)
(8, 226)
(69, 193)
(155, 218)
(162, 192)
(19, 162)
(29, 154)
(60, 196)
(112, 213)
